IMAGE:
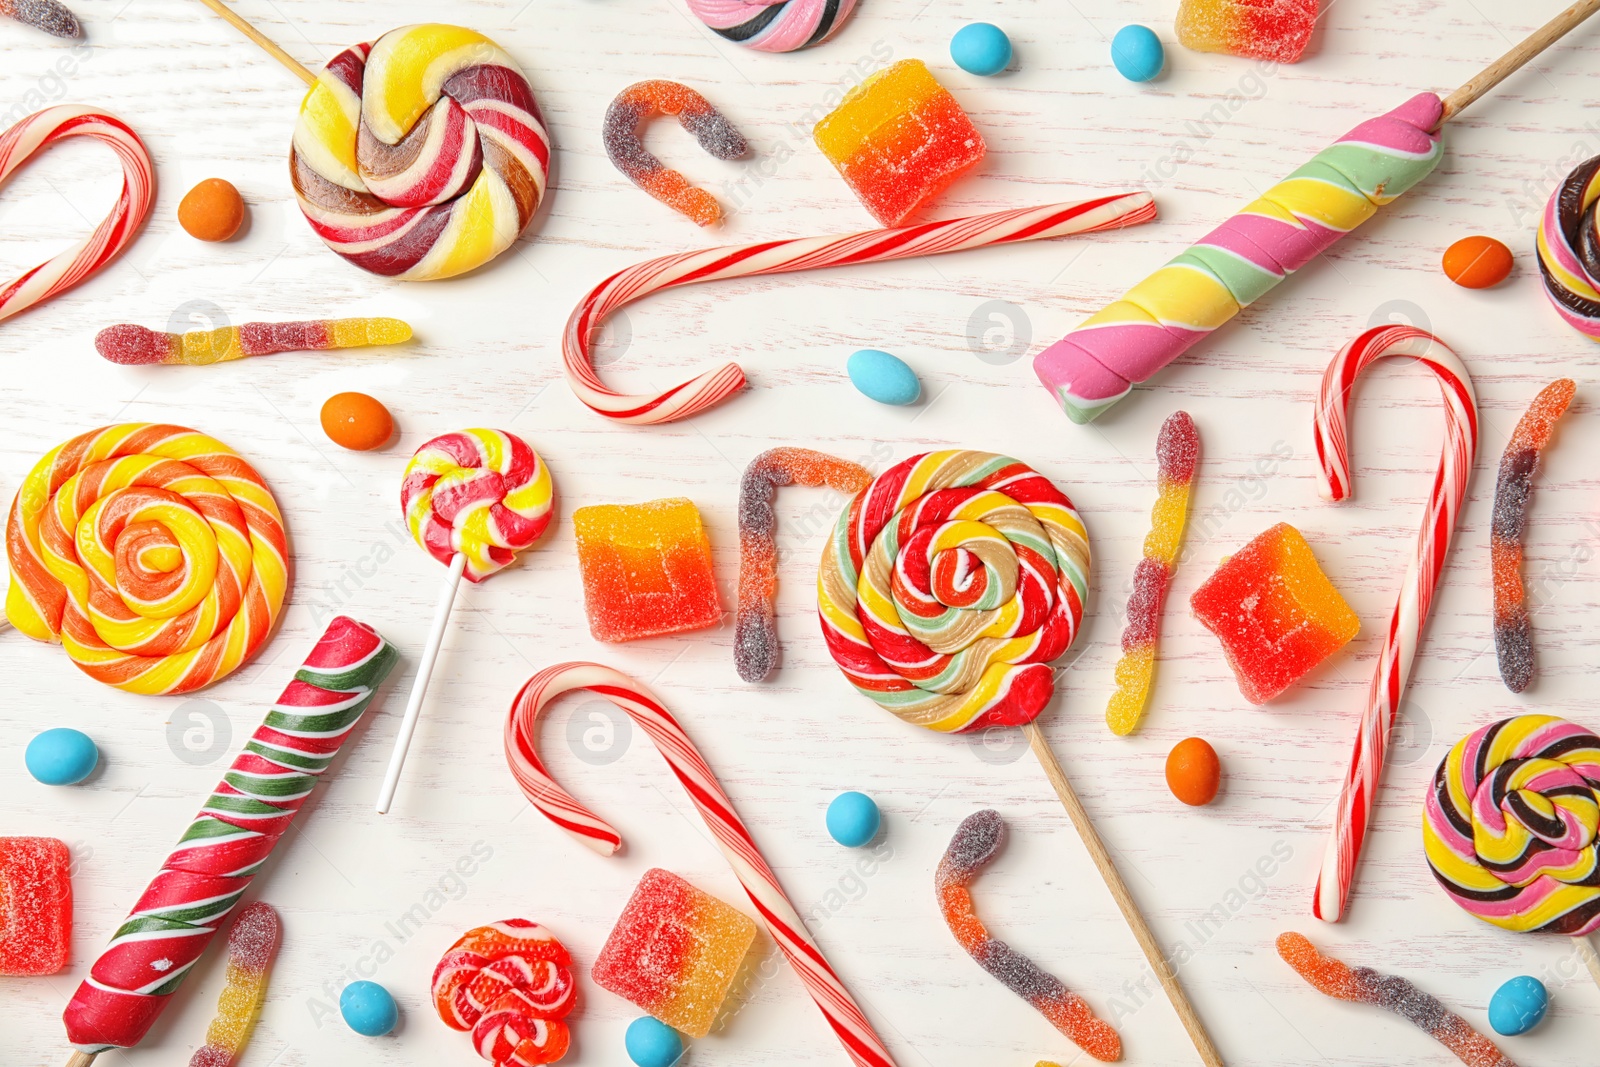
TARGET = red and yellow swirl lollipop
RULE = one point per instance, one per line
(155, 555)
(473, 499)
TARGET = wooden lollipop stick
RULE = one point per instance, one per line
(1500, 69)
(270, 48)
(1587, 954)
(81, 1059)
(1119, 892)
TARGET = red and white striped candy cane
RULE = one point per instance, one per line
(1358, 794)
(783, 922)
(33, 135)
(804, 253)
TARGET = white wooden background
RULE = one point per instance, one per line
(1205, 137)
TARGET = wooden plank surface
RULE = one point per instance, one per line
(380, 897)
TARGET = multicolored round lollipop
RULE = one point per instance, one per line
(948, 587)
(154, 554)
(1511, 821)
(950, 584)
(473, 499)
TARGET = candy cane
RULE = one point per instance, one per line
(805, 253)
(733, 838)
(1356, 797)
(33, 135)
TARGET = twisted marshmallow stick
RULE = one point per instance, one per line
(733, 838)
(1356, 796)
(805, 253)
(39, 131)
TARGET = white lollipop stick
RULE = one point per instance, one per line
(419, 688)
(1587, 953)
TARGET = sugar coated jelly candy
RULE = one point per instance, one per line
(252, 946)
(35, 906)
(1363, 985)
(1177, 453)
(899, 139)
(1275, 612)
(1276, 30)
(674, 952)
(646, 569)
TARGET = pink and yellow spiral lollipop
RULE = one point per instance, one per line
(155, 554)
(1511, 826)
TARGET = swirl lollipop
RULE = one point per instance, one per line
(949, 585)
(420, 155)
(155, 555)
(774, 25)
(1569, 260)
(1511, 827)
(473, 499)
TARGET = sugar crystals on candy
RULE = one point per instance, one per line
(674, 952)
(1177, 453)
(252, 946)
(35, 906)
(1513, 489)
(1275, 30)
(1363, 985)
(1275, 612)
(899, 139)
(646, 569)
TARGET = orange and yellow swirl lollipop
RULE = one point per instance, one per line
(155, 555)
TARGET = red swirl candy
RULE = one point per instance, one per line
(511, 984)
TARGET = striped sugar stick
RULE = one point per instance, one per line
(229, 841)
(732, 836)
(1353, 813)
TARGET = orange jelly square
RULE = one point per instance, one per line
(899, 139)
(646, 569)
(1275, 612)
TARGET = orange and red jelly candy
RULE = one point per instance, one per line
(1275, 612)
(899, 139)
(674, 952)
(1275, 30)
(646, 569)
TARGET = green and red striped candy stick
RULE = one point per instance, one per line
(229, 841)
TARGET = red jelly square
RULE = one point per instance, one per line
(35, 905)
